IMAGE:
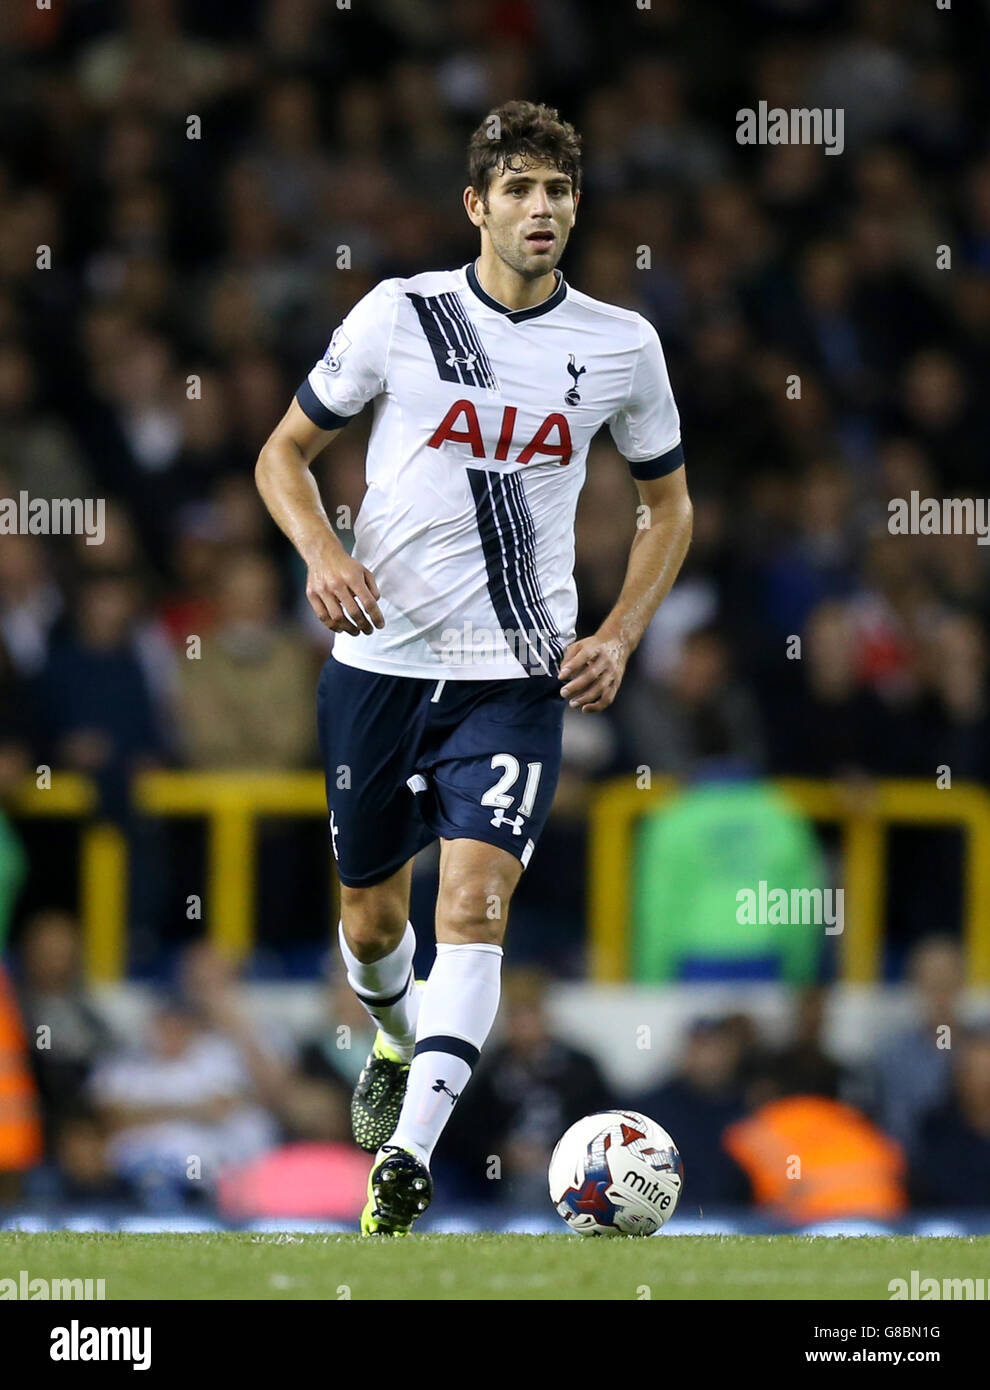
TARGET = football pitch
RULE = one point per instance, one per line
(226, 1265)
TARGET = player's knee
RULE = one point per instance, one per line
(373, 922)
(473, 909)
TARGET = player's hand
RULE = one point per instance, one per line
(343, 594)
(593, 669)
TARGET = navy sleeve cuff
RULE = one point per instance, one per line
(660, 466)
(312, 406)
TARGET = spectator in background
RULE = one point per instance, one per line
(14, 727)
(804, 1062)
(951, 1165)
(208, 983)
(20, 1113)
(286, 158)
(814, 565)
(725, 834)
(94, 708)
(246, 701)
(521, 1100)
(699, 710)
(821, 693)
(82, 1171)
(195, 561)
(69, 1035)
(151, 54)
(38, 450)
(30, 603)
(142, 417)
(239, 512)
(826, 332)
(811, 1159)
(208, 450)
(664, 140)
(961, 570)
(937, 411)
(959, 714)
(697, 1103)
(21, 1140)
(913, 1068)
(893, 616)
(179, 1108)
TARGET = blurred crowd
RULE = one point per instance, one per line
(191, 197)
(211, 1108)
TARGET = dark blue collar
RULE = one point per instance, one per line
(517, 315)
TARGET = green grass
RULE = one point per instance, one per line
(238, 1266)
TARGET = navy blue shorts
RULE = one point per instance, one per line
(408, 760)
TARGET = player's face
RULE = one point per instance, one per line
(529, 218)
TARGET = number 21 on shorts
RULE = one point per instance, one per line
(498, 795)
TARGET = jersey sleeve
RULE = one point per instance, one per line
(647, 428)
(352, 370)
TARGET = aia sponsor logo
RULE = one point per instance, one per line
(461, 426)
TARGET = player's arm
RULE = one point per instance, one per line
(593, 668)
(337, 586)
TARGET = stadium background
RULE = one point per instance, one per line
(196, 271)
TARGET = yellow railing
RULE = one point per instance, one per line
(232, 803)
(863, 818)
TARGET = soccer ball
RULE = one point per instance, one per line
(616, 1174)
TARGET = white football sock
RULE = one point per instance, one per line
(456, 1014)
(387, 990)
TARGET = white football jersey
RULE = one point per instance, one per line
(482, 420)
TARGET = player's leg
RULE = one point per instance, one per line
(461, 996)
(368, 725)
(377, 944)
(458, 1007)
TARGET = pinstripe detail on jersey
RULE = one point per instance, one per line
(517, 507)
(456, 308)
(507, 540)
(457, 349)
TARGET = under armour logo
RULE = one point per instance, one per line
(441, 1085)
(468, 361)
(572, 397)
(500, 818)
(333, 835)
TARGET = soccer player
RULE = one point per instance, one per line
(441, 707)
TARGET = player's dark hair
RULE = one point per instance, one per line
(520, 134)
